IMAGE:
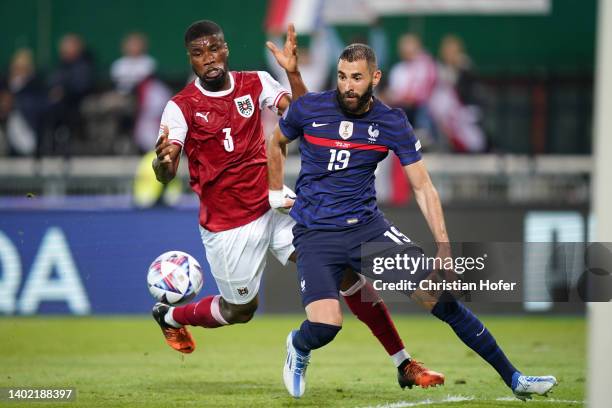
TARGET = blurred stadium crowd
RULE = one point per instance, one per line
(507, 119)
(77, 109)
(71, 111)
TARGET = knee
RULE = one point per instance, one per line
(244, 316)
(240, 314)
(325, 311)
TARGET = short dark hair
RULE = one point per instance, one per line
(356, 52)
(202, 28)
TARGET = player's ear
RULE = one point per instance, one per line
(376, 77)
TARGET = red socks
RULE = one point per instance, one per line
(205, 313)
(365, 303)
(361, 298)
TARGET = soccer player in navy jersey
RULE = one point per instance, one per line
(344, 134)
(216, 121)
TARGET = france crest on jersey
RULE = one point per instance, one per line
(339, 154)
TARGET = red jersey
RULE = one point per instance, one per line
(222, 136)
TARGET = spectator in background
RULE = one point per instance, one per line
(455, 68)
(23, 104)
(411, 82)
(69, 84)
(134, 66)
(138, 91)
(453, 102)
(152, 95)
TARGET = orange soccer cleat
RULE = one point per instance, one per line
(415, 373)
(178, 338)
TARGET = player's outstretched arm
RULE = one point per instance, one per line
(287, 58)
(429, 203)
(276, 152)
(168, 154)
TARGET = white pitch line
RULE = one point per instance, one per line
(405, 404)
(460, 398)
(551, 400)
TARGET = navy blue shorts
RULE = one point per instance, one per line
(323, 256)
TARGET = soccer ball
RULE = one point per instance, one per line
(175, 278)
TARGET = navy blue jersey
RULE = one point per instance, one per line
(340, 152)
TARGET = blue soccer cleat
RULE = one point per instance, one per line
(523, 385)
(294, 372)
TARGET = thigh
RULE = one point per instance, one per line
(380, 232)
(387, 241)
(237, 258)
(320, 263)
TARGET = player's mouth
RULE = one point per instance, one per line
(213, 73)
(351, 99)
(350, 96)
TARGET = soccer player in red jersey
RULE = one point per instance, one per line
(216, 120)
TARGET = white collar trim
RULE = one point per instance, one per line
(218, 93)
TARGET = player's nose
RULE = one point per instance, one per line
(344, 88)
(209, 58)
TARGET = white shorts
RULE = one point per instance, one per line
(237, 257)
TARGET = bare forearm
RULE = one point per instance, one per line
(298, 88)
(276, 164)
(429, 203)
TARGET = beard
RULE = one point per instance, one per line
(355, 106)
(213, 84)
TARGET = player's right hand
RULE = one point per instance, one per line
(282, 200)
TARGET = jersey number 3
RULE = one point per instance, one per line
(339, 159)
(228, 142)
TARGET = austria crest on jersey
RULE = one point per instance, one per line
(245, 106)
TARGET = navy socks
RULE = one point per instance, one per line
(475, 335)
(312, 336)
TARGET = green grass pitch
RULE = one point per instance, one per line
(124, 362)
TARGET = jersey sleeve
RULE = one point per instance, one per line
(175, 120)
(405, 144)
(271, 92)
(291, 121)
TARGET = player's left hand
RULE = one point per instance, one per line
(287, 57)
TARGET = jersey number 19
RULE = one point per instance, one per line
(339, 159)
